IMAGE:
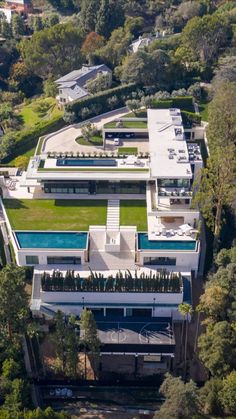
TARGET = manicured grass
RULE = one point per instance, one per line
(92, 169)
(134, 212)
(127, 124)
(203, 108)
(95, 140)
(39, 109)
(59, 214)
(127, 150)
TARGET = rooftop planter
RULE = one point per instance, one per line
(159, 282)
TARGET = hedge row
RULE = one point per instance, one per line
(28, 139)
(190, 119)
(99, 103)
(184, 103)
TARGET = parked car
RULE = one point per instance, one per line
(116, 141)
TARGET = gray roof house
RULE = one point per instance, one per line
(72, 86)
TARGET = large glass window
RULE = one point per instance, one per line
(64, 187)
(131, 187)
(63, 260)
(174, 183)
(159, 261)
(32, 260)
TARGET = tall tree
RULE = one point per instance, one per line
(222, 131)
(181, 400)
(202, 39)
(88, 14)
(17, 25)
(13, 311)
(53, 51)
(217, 348)
(92, 43)
(185, 309)
(60, 339)
(228, 393)
(109, 17)
(89, 336)
(215, 188)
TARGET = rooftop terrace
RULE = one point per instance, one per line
(167, 144)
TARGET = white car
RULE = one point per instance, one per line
(116, 141)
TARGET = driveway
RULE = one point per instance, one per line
(64, 140)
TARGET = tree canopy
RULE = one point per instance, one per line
(53, 51)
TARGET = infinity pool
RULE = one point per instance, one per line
(51, 240)
(86, 162)
(145, 244)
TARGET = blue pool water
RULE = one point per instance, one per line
(51, 240)
(145, 244)
(86, 162)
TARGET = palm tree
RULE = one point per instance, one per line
(185, 309)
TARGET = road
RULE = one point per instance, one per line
(64, 140)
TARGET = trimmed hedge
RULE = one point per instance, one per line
(99, 103)
(184, 103)
(190, 119)
(28, 139)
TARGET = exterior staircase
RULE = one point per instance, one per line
(113, 214)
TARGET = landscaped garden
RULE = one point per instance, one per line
(127, 150)
(50, 214)
(95, 140)
(134, 212)
(127, 124)
(39, 118)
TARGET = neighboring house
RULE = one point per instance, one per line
(24, 5)
(143, 42)
(8, 13)
(72, 86)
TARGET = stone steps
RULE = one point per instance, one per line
(113, 214)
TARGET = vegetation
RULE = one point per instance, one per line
(68, 215)
(89, 337)
(127, 150)
(134, 212)
(162, 281)
(99, 103)
(127, 124)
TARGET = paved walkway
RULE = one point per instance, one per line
(64, 140)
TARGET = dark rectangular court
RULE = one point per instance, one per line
(136, 335)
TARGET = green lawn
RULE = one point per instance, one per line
(50, 214)
(95, 140)
(203, 108)
(38, 110)
(134, 212)
(127, 124)
(127, 150)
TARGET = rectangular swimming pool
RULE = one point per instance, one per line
(145, 244)
(51, 240)
(86, 162)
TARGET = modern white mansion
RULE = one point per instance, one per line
(132, 280)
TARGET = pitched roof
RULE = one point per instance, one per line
(82, 75)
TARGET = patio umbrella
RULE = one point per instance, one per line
(185, 227)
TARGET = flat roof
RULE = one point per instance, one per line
(167, 145)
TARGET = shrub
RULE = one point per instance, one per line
(99, 102)
(27, 139)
